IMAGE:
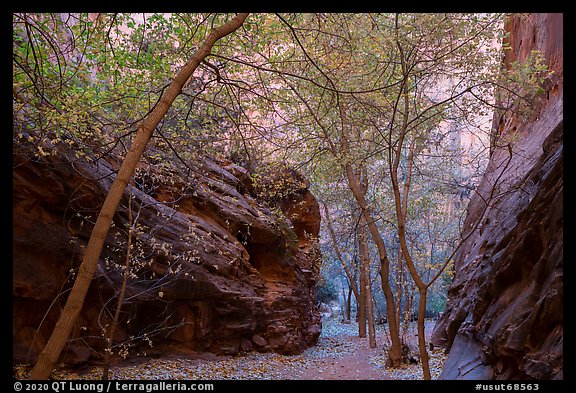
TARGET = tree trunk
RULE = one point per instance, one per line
(352, 282)
(339, 253)
(365, 271)
(358, 191)
(365, 293)
(349, 303)
(407, 314)
(370, 317)
(401, 215)
(51, 352)
(110, 338)
(424, 359)
(400, 285)
(401, 202)
(395, 352)
(362, 301)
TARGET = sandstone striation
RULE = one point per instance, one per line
(504, 316)
(214, 268)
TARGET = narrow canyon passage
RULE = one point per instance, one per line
(200, 202)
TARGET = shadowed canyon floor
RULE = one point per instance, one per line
(339, 355)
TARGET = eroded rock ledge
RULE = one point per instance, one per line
(220, 271)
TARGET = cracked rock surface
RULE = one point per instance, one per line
(218, 270)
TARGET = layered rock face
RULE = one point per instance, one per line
(212, 268)
(504, 317)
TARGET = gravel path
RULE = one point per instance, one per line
(339, 354)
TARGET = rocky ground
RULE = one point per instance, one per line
(340, 354)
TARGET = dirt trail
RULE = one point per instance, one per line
(355, 366)
(339, 355)
(351, 358)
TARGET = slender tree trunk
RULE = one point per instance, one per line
(395, 352)
(407, 314)
(354, 183)
(424, 358)
(365, 271)
(352, 288)
(345, 267)
(362, 301)
(370, 317)
(400, 285)
(51, 352)
(349, 303)
(343, 304)
(420, 285)
(110, 338)
(401, 201)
